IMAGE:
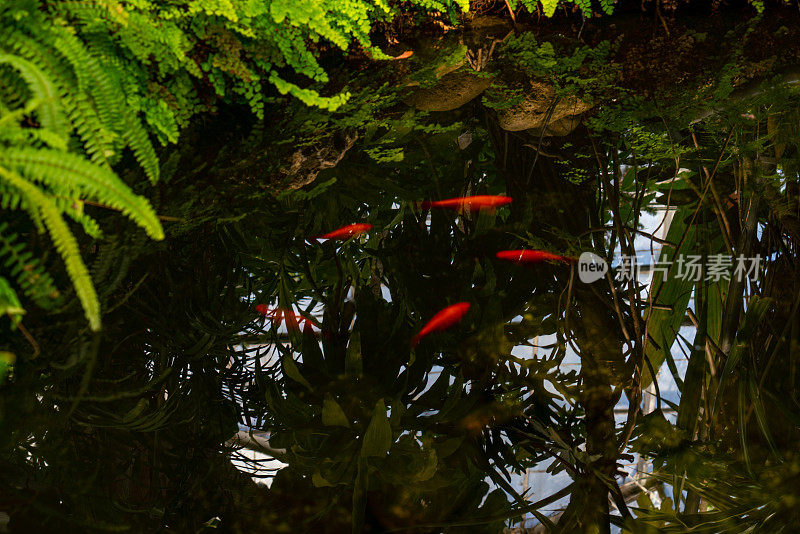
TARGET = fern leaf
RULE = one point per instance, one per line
(98, 138)
(65, 170)
(137, 139)
(607, 6)
(73, 208)
(585, 6)
(108, 99)
(92, 77)
(549, 7)
(9, 303)
(64, 242)
(43, 89)
(12, 199)
(28, 272)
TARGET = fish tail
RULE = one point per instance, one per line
(426, 205)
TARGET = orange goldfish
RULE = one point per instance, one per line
(346, 232)
(443, 320)
(405, 55)
(477, 202)
(276, 315)
(532, 256)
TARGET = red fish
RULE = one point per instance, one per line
(276, 315)
(404, 55)
(443, 320)
(477, 202)
(532, 256)
(346, 232)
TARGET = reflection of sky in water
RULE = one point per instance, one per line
(537, 481)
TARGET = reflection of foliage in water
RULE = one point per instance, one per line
(378, 432)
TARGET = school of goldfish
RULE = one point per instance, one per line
(451, 315)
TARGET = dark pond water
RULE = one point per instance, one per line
(546, 221)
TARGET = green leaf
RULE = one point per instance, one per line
(50, 113)
(761, 416)
(65, 244)
(7, 360)
(332, 413)
(319, 481)
(290, 369)
(695, 371)
(360, 495)
(9, 303)
(378, 437)
(549, 7)
(62, 170)
(427, 467)
(663, 324)
(353, 365)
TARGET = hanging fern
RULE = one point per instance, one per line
(27, 270)
(63, 101)
(68, 171)
(549, 7)
(608, 6)
(42, 89)
(64, 241)
(63, 173)
(97, 80)
(585, 6)
(9, 303)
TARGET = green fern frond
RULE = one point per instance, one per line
(64, 242)
(73, 208)
(12, 132)
(9, 303)
(10, 199)
(68, 171)
(91, 76)
(43, 137)
(42, 88)
(14, 91)
(92, 14)
(27, 270)
(97, 138)
(9, 120)
(309, 97)
(585, 6)
(106, 254)
(138, 141)
(94, 78)
(549, 7)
